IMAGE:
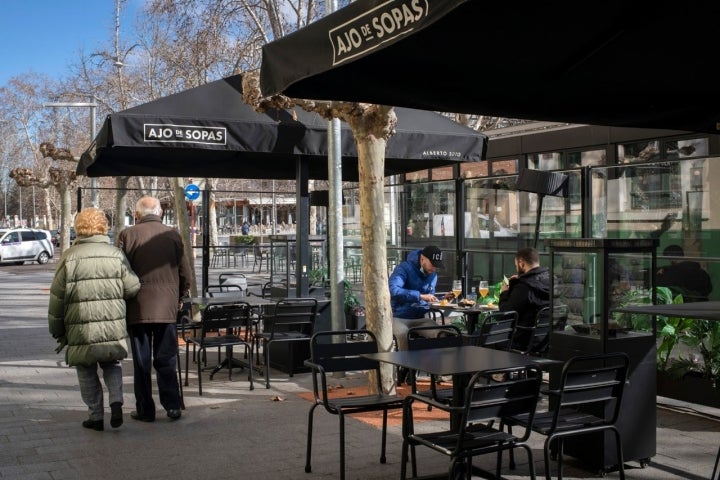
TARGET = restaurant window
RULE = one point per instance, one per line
(645, 151)
(417, 208)
(419, 176)
(545, 161)
(656, 186)
(587, 158)
(695, 147)
(491, 208)
(504, 167)
(442, 173)
(474, 169)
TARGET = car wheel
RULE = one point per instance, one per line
(43, 258)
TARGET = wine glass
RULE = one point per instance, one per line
(457, 288)
(483, 289)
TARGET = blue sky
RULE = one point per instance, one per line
(46, 36)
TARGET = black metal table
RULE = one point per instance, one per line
(701, 310)
(460, 362)
(255, 303)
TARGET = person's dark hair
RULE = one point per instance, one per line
(673, 251)
(528, 255)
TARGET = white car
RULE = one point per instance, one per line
(20, 245)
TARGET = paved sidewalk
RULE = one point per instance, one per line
(231, 432)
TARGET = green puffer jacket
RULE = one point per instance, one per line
(87, 301)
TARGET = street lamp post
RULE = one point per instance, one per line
(93, 109)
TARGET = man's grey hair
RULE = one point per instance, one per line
(148, 206)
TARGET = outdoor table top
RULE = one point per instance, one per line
(463, 360)
(702, 310)
(471, 313)
(453, 307)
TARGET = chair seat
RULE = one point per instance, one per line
(364, 403)
(218, 341)
(284, 336)
(476, 438)
(568, 419)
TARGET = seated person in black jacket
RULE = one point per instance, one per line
(526, 292)
(684, 277)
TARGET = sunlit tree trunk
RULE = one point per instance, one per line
(121, 184)
(183, 224)
(370, 134)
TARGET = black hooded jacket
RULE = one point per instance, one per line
(527, 294)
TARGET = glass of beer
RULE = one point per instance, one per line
(457, 289)
(483, 289)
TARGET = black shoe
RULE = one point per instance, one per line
(116, 418)
(174, 413)
(136, 416)
(97, 425)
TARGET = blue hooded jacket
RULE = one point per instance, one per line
(407, 283)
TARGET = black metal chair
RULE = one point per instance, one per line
(587, 400)
(230, 284)
(292, 320)
(480, 430)
(220, 256)
(260, 256)
(427, 337)
(533, 339)
(497, 330)
(229, 318)
(331, 352)
(234, 278)
(545, 323)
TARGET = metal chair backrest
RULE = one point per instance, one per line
(224, 290)
(533, 339)
(592, 382)
(517, 394)
(332, 351)
(225, 317)
(497, 330)
(440, 336)
(296, 314)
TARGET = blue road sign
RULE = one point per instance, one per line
(192, 191)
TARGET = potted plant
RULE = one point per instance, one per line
(690, 377)
(353, 309)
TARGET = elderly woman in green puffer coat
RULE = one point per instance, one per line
(87, 313)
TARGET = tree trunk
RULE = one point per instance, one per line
(120, 203)
(183, 225)
(66, 213)
(211, 184)
(371, 143)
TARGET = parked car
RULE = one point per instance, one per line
(20, 245)
(56, 237)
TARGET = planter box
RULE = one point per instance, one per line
(692, 388)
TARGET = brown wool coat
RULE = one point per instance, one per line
(155, 252)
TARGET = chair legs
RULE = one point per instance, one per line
(341, 417)
(715, 468)
(560, 437)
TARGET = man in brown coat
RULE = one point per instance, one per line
(155, 252)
